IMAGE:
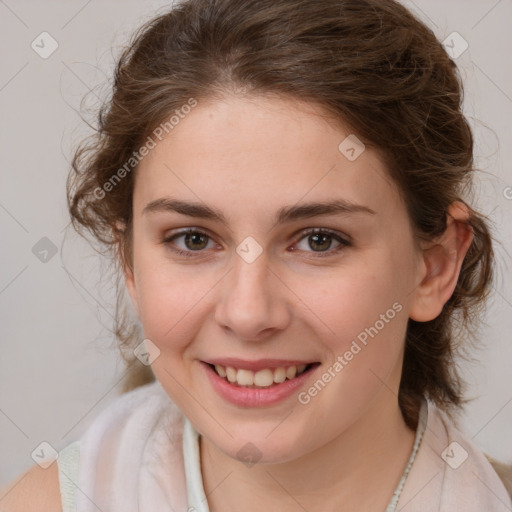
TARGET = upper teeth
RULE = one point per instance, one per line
(261, 378)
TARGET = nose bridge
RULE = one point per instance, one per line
(251, 303)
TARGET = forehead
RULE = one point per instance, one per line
(261, 153)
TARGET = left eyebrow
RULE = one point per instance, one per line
(283, 215)
(336, 207)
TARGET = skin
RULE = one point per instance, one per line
(248, 157)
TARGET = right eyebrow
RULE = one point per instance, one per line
(167, 204)
(283, 215)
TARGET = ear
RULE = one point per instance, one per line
(442, 261)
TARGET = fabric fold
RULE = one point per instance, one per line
(142, 455)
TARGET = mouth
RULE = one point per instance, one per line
(263, 378)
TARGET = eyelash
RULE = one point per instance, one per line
(304, 234)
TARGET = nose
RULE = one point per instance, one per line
(254, 301)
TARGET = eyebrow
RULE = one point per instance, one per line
(283, 215)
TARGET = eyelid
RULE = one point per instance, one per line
(335, 234)
(168, 239)
(343, 240)
(184, 231)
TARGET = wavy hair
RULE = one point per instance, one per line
(371, 64)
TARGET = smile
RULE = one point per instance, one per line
(267, 384)
(262, 378)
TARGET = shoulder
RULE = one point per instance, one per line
(132, 452)
(470, 476)
(504, 471)
(138, 409)
(450, 471)
(36, 486)
(130, 418)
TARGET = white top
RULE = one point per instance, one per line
(142, 454)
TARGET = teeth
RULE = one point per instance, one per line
(291, 372)
(245, 377)
(220, 370)
(231, 373)
(262, 378)
(279, 374)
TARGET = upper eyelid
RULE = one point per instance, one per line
(297, 236)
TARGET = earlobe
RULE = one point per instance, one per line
(442, 264)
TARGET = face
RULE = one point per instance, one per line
(233, 264)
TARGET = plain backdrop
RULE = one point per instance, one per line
(58, 364)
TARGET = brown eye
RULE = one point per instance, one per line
(196, 241)
(188, 241)
(320, 240)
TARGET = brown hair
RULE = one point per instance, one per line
(370, 63)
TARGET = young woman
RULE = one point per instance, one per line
(284, 186)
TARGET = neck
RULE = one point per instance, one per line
(336, 476)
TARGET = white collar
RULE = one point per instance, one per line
(195, 491)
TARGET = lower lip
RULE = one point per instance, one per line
(256, 397)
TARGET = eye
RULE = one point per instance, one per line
(320, 240)
(192, 240)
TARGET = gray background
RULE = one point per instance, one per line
(58, 365)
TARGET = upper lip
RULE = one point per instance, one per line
(259, 364)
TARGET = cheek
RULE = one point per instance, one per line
(363, 323)
(361, 314)
(171, 300)
(352, 298)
